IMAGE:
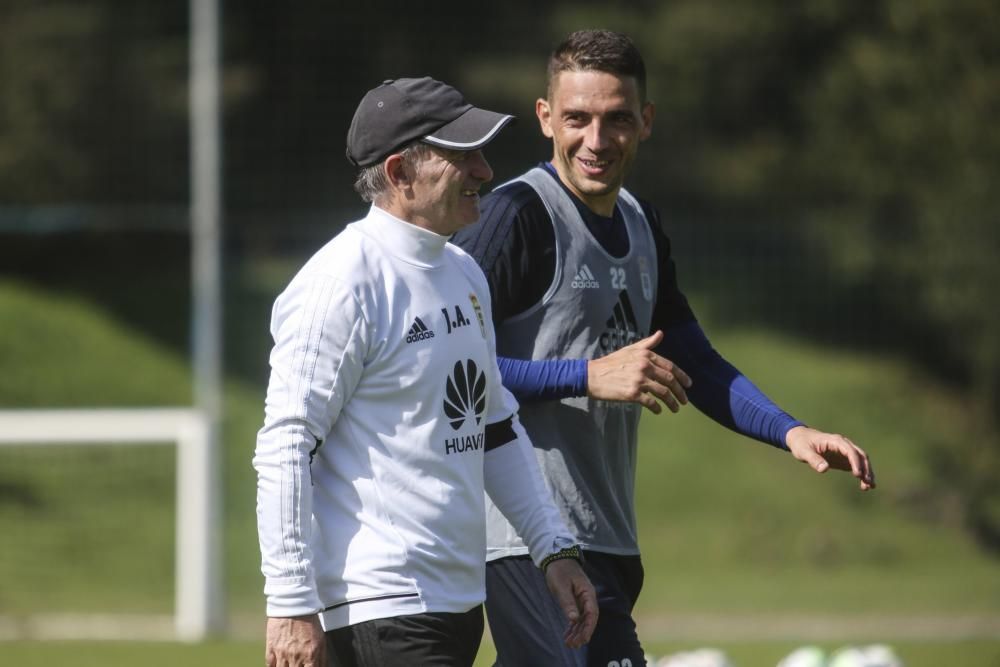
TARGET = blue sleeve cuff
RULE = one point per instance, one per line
(543, 380)
(721, 391)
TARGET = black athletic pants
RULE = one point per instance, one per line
(527, 624)
(427, 640)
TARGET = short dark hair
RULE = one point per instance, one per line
(600, 50)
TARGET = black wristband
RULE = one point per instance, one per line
(569, 552)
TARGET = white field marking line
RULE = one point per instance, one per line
(819, 627)
(82, 626)
(652, 628)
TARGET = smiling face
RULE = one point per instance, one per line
(596, 121)
(444, 190)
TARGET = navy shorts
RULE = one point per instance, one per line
(528, 626)
(431, 640)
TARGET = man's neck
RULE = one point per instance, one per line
(401, 212)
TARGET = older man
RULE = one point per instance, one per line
(386, 420)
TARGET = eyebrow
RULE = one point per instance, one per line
(619, 112)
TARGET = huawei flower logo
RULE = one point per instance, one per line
(465, 394)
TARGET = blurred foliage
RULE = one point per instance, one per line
(866, 133)
(841, 151)
(92, 93)
(872, 125)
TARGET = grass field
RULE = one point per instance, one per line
(728, 526)
(745, 654)
(727, 523)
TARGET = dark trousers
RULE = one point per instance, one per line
(424, 640)
(527, 624)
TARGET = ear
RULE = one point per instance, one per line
(648, 113)
(396, 171)
(544, 113)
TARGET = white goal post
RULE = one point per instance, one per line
(197, 589)
(198, 608)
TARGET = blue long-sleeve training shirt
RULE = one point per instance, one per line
(514, 245)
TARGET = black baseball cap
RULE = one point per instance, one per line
(401, 111)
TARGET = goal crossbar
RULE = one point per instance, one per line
(195, 610)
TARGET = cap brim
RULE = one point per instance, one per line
(472, 130)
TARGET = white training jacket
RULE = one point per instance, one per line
(385, 421)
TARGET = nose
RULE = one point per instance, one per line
(596, 138)
(479, 168)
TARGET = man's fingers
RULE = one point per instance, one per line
(575, 636)
(567, 602)
(582, 626)
(652, 391)
(668, 390)
(868, 482)
(651, 404)
(665, 380)
(864, 465)
(819, 464)
(672, 371)
(867, 475)
(843, 454)
(585, 599)
(669, 375)
(849, 451)
(588, 620)
(856, 461)
(650, 341)
(815, 461)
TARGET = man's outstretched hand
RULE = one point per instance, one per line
(827, 450)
